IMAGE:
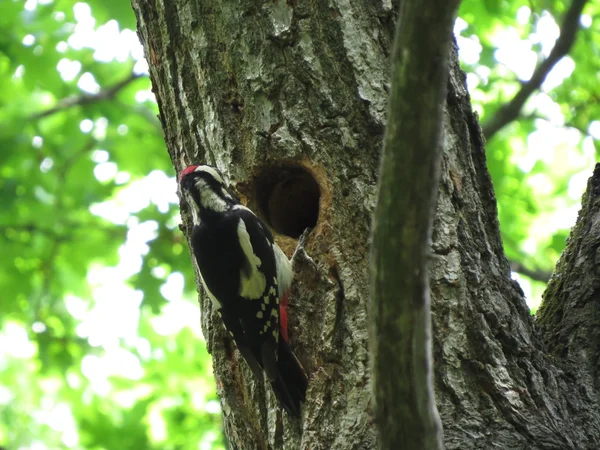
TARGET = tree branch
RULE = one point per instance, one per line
(512, 109)
(534, 274)
(86, 99)
(400, 320)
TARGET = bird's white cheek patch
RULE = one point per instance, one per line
(209, 198)
(253, 283)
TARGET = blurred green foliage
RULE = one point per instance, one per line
(92, 354)
(540, 162)
(100, 344)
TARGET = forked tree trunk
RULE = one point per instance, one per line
(289, 100)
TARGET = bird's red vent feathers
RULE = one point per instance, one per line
(185, 171)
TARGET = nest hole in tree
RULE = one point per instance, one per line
(288, 197)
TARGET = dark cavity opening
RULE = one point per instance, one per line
(288, 199)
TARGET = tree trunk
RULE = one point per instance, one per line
(288, 99)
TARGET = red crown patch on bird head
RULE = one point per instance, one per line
(184, 172)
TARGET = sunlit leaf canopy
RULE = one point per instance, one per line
(540, 163)
(100, 341)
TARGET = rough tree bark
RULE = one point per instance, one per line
(289, 100)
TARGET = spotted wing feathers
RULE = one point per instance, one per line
(242, 276)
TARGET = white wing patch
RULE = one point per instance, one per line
(282, 263)
(284, 271)
(252, 285)
(243, 208)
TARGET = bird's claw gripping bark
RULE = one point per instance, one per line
(300, 256)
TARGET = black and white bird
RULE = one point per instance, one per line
(247, 277)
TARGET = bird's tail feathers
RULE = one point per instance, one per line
(291, 382)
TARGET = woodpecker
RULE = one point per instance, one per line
(247, 277)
